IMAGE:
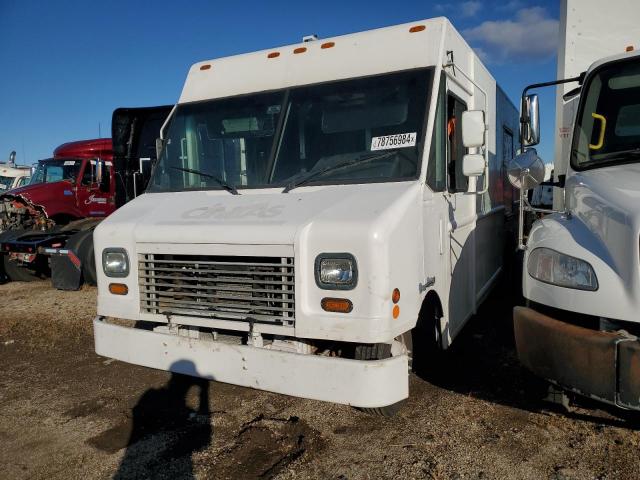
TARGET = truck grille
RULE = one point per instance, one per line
(223, 287)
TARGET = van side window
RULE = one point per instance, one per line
(455, 151)
(437, 168)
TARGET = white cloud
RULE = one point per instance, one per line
(469, 9)
(532, 35)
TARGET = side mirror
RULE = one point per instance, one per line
(99, 171)
(530, 121)
(473, 165)
(526, 171)
(473, 128)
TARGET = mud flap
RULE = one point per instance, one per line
(600, 365)
(66, 269)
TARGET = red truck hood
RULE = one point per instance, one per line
(48, 196)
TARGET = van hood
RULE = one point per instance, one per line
(254, 217)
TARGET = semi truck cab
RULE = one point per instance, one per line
(582, 265)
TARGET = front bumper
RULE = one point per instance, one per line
(366, 384)
(600, 365)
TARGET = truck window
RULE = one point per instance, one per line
(455, 148)
(608, 129)
(54, 170)
(437, 168)
(504, 189)
(374, 124)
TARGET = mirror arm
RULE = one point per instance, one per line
(524, 119)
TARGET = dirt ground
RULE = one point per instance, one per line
(66, 413)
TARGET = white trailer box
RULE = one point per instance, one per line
(308, 228)
(589, 30)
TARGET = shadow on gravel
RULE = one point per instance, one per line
(164, 429)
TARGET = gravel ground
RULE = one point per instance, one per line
(67, 413)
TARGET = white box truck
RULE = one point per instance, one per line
(320, 214)
(581, 272)
(12, 175)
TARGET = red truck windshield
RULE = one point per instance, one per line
(54, 170)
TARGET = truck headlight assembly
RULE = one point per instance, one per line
(336, 271)
(563, 270)
(115, 262)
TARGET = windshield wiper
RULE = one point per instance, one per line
(354, 161)
(227, 186)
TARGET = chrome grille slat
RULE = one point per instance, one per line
(226, 287)
(204, 262)
(219, 279)
(174, 294)
(240, 288)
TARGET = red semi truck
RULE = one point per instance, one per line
(47, 226)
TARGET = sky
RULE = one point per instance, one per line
(66, 65)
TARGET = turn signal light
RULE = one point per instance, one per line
(396, 311)
(118, 288)
(340, 305)
(629, 48)
(395, 296)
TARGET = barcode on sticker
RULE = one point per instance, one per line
(400, 140)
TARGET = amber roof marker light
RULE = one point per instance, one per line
(273, 55)
(300, 50)
(417, 28)
(205, 67)
(326, 45)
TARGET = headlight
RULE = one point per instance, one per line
(563, 270)
(115, 262)
(336, 271)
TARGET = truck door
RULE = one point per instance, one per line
(462, 222)
(449, 217)
(95, 199)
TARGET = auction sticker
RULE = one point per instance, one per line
(400, 140)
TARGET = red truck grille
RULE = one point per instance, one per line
(223, 287)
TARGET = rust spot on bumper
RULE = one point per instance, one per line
(602, 365)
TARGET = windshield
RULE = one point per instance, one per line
(608, 130)
(275, 138)
(54, 170)
(6, 182)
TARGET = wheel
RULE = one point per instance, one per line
(377, 351)
(426, 341)
(16, 272)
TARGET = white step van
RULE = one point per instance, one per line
(320, 215)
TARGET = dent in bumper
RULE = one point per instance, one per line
(367, 384)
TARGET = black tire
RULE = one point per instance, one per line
(377, 351)
(16, 272)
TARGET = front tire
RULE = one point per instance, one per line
(377, 351)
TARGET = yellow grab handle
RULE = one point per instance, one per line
(603, 127)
